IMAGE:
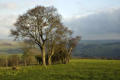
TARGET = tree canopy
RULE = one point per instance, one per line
(43, 26)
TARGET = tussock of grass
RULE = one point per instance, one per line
(78, 69)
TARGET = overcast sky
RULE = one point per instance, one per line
(92, 19)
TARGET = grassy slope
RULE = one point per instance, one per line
(77, 69)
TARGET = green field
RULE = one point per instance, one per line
(77, 69)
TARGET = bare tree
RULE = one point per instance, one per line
(37, 25)
(61, 34)
(72, 43)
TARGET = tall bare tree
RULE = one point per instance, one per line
(39, 25)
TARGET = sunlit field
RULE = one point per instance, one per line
(77, 69)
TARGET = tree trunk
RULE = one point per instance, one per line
(6, 63)
(69, 55)
(25, 63)
(70, 50)
(50, 56)
(43, 56)
(49, 60)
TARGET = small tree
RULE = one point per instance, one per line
(63, 50)
(55, 39)
(71, 44)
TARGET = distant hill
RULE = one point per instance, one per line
(85, 49)
(98, 49)
(9, 47)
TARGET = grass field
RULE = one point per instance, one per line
(78, 69)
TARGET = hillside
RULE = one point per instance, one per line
(98, 49)
(9, 47)
(85, 49)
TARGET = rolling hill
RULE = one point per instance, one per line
(85, 49)
(98, 49)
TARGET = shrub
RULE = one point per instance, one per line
(39, 59)
(60, 57)
(13, 60)
(3, 61)
(15, 68)
(29, 60)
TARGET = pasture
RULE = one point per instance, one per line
(77, 69)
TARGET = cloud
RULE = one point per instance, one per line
(100, 25)
(7, 20)
(8, 5)
(6, 23)
(97, 25)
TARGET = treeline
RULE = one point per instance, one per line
(32, 56)
(16, 60)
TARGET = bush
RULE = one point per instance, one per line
(60, 57)
(3, 61)
(39, 59)
(13, 60)
(29, 60)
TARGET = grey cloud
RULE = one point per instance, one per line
(103, 24)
